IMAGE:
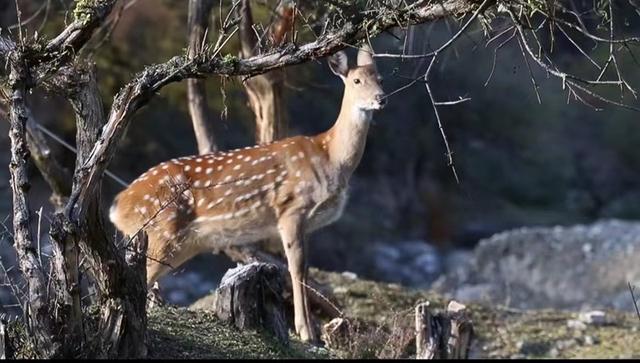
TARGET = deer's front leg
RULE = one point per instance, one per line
(291, 232)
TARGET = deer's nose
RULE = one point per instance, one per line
(382, 99)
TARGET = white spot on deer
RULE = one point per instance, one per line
(187, 167)
(241, 212)
(256, 204)
(201, 202)
(219, 168)
(207, 183)
(237, 167)
(209, 170)
(229, 161)
(199, 160)
(146, 197)
(198, 169)
(294, 158)
(301, 155)
(228, 192)
(298, 174)
(248, 158)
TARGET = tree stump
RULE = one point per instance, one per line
(445, 335)
(250, 297)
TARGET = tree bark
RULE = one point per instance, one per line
(3, 340)
(121, 284)
(57, 176)
(198, 22)
(38, 319)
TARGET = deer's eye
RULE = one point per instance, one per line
(356, 81)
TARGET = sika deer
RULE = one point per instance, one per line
(204, 203)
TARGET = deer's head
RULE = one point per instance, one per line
(363, 84)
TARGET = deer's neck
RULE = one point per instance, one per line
(347, 138)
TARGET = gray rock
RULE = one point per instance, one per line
(579, 267)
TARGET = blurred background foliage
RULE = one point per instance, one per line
(520, 162)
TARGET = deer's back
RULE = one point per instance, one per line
(231, 197)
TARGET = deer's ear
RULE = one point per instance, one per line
(365, 56)
(339, 64)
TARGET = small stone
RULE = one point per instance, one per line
(595, 317)
(318, 350)
(349, 275)
(576, 324)
(590, 340)
(340, 290)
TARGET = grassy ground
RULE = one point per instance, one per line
(382, 327)
(500, 332)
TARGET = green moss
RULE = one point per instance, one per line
(229, 60)
(83, 10)
(20, 346)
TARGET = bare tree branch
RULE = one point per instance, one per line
(57, 176)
